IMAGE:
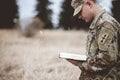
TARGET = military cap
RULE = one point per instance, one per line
(77, 5)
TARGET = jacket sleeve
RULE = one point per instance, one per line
(106, 54)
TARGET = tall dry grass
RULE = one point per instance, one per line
(37, 58)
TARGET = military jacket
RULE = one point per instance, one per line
(102, 49)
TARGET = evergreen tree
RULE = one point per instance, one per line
(8, 11)
(116, 9)
(66, 15)
(44, 13)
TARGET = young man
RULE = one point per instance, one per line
(103, 42)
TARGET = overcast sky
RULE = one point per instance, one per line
(27, 8)
(106, 4)
(56, 8)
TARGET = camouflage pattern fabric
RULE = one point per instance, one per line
(103, 49)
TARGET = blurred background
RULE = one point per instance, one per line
(49, 14)
(34, 32)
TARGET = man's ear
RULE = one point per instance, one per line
(89, 3)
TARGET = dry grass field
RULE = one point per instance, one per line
(37, 58)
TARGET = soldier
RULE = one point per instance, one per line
(103, 42)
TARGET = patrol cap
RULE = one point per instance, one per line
(77, 5)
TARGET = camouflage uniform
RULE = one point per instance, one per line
(103, 50)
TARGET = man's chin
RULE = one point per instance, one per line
(88, 21)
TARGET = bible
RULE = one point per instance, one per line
(73, 56)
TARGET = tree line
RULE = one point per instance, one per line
(9, 11)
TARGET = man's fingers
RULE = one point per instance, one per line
(74, 62)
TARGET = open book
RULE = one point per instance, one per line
(73, 56)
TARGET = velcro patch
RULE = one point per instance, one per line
(104, 38)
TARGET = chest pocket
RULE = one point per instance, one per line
(92, 43)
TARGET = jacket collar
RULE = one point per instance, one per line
(93, 24)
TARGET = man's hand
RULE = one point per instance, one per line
(74, 62)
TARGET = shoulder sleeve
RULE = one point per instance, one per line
(105, 36)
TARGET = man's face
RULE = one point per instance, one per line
(86, 13)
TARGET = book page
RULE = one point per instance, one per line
(73, 56)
